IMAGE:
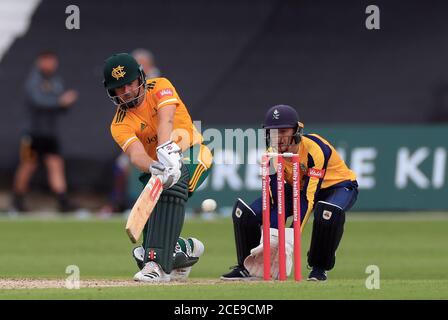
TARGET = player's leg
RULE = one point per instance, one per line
(162, 231)
(56, 172)
(57, 181)
(328, 228)
(253, 263)
(27, 166)
(247, 221)
(21, 181)
(198, 161)
(186, 254)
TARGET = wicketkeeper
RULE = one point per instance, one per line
(154, 128)
(328, 188)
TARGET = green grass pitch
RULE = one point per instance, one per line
(410, 250)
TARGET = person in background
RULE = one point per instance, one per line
(146, 59)
(47, 99)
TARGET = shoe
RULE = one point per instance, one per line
(238, 273)
(17, 204)
(138, 254)
(187, 253)
(180, 274)
(65, 207)
(317, 274)
(152, 272)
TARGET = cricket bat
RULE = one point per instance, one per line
(143, 207)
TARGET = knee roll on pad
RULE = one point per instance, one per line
(165, 224)
(246, 228)
(328, 227)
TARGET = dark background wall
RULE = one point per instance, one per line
(230, 60)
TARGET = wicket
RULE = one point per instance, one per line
(281, 215)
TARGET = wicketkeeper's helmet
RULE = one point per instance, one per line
(281, 117)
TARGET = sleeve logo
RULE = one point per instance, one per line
(316, 173)
(164, 93)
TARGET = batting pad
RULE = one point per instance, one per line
(165, 224)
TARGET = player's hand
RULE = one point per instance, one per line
(68, 98)
(168, 175)
(170, 155)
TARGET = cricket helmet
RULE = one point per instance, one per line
(282, 117)
(119, 70)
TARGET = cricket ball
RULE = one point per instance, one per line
(208, 205)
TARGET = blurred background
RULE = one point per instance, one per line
(380, 96)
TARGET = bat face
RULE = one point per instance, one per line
(143, 207)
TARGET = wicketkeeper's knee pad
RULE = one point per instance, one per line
(165, 224)
(254, 263)
(328, 227)
(246, 229)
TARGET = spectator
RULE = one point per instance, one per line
(146, 59)
(47, 99)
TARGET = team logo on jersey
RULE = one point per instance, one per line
(276, 115)
(316, 173)
(142, 126)
(164, 93)
(118, 72)
(238, 212)
(327, 214)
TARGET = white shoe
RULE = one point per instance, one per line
(152, 272)
(180, 274)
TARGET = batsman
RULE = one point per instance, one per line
(154, 129)
(328, 190)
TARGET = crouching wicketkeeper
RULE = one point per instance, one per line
(328, 188)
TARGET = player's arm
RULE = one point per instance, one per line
(125, 136)
(138, 156)
(165, 117)
(140, 159)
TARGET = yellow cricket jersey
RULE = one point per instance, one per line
(141, 123)
(320, 167)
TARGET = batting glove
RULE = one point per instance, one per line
(168, 175)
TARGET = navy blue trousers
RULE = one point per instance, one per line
(343, 194)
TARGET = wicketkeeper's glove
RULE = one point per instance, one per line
(254, 262)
